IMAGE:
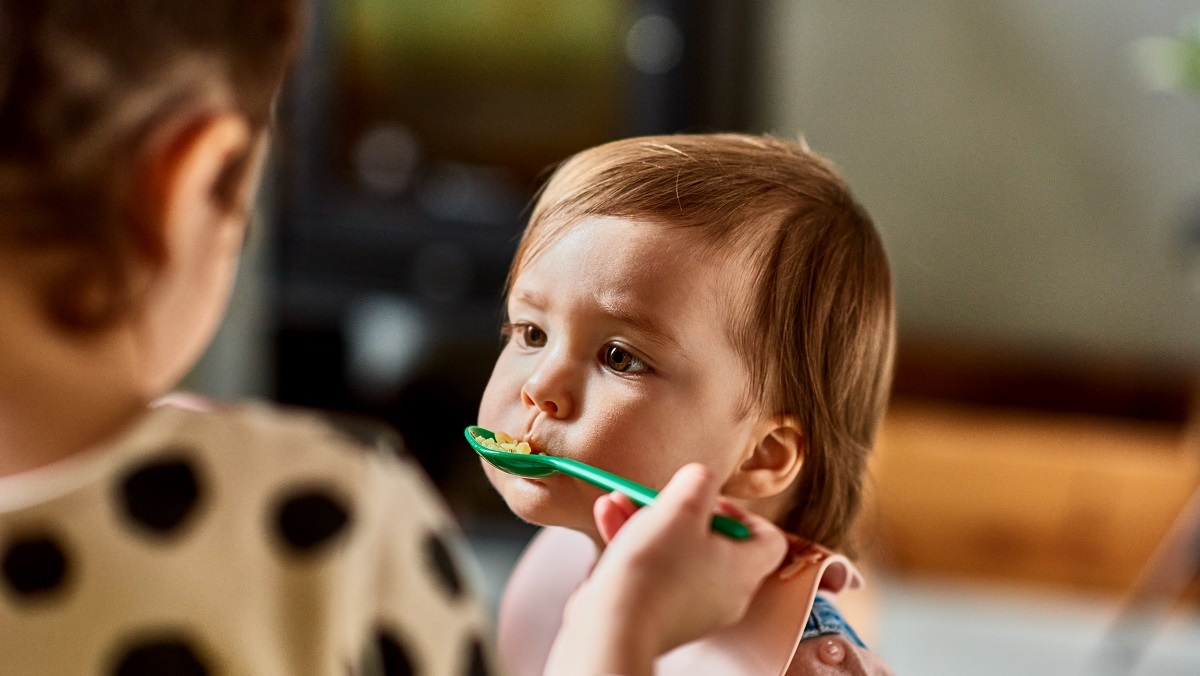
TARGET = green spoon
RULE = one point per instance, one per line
(541, 465)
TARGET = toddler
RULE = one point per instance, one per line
(225, 539)
(719, 299)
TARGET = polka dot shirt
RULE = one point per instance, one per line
(245, 540)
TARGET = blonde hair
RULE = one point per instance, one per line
(818, 332)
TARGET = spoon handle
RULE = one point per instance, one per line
(639, 494)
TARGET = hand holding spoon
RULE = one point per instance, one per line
(541, 465)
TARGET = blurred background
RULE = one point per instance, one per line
(1034, 168)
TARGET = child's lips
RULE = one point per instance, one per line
(535, 445)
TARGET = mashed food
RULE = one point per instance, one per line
(503, 442)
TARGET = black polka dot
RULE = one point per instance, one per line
(160, 657)
(310, 518)
(392, 655)
(477, 664)
(438, 558)
(34, 566)
(159, 496)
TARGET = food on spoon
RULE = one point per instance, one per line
(503, 442)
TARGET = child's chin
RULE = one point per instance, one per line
(537, 502)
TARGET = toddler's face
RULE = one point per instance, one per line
(618, 357)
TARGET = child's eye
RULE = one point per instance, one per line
(527, 335)
(621, 360)
(534, 337)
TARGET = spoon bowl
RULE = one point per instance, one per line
(542, 465)
(521, 464)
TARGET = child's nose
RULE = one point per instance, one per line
(548, 390)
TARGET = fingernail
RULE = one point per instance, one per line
(832, 652)
(726, 508)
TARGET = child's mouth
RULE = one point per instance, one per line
(508, 444)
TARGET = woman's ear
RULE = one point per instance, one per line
(773, 462)
(196, 173)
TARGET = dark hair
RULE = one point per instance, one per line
(818, 332)
(83, 85)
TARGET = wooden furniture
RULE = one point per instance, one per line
(1046, 498)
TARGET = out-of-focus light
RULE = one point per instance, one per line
(386, 338)
(1171, 63)
(654, 44)
(386, 158)
(471, 193)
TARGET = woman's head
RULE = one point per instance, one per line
(788, 272)
(86, 88)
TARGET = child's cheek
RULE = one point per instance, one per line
(503, 391)
(620, 438)
(491, 409)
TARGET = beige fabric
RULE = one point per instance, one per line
(225, 581)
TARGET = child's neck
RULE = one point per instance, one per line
(59, 395)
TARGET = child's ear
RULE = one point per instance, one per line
(195, 172)
(771, 465)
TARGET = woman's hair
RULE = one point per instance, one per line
(84, 84)
(817, 333)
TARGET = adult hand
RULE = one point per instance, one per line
(664, 579)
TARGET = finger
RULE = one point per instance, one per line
(767, 543)
(762, 530)
(609, 516)
(691, 494)
(772, 539)
(624, 502)
(726, 508)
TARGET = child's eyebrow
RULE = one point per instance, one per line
(644, 322)
(531, 298)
